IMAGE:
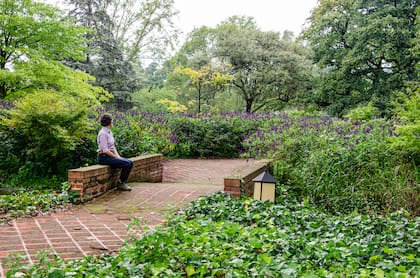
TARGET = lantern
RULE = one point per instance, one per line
(265, 187)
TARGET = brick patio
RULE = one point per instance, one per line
(100, 225)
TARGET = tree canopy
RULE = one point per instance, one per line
(125, 32)
(143, 28)
(363, 50)
(34, 30)
(267, 69)
(353, 53)
(207, 80)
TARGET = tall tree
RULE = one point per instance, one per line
(194, 62)
(153, 76)
(29, 29)
(198, 49)
(143, 28)
(266, 69)
(104, 59)
(126, 32)
(363, 51)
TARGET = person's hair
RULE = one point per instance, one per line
(105, 120)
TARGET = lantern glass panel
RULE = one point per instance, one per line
(257, 190)
(268, 192)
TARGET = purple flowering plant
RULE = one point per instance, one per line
(339, 164)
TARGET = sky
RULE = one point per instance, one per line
(270, 15)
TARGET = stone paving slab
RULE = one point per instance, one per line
(100, 225)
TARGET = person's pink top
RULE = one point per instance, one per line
(106, 141)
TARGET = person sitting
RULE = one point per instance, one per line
(108, 154)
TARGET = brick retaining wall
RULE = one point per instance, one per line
(240, 182)
(95, 180)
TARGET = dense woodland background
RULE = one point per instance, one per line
(351, 54)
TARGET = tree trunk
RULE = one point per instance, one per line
(3, 84)
(199, 102)
(199, 99)
(2, 90)
(249, 102)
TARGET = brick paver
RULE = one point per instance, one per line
(101, 225)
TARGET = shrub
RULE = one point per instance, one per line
(340, 180)
(209, 136)
(340, 165)
(49, 125)
(9, 154)
(179, 135)
(363, 113)
(157, 100)
(407, 141)
(139, 133)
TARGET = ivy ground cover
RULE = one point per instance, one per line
(222, 237)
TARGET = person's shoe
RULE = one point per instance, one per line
(124, 187)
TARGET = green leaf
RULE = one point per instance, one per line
(57, 274)
(190, 270)
(388, 251)
(411, 257)
(379, 273)
(266, 258)
(402, 268)
(374, 259)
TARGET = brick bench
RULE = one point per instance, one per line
(93, 181)
(240, 182)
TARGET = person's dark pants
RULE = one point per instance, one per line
(123, 163)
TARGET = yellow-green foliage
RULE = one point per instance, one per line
(206, 80)
(51, 122)
(205, 76)
(38, 73)
(365, 112)
(408, 131)
(172, 106)
(51, 106)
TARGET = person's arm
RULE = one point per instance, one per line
(112, 153)
(116, 153)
